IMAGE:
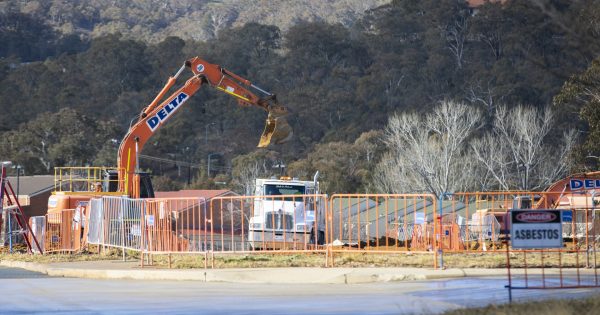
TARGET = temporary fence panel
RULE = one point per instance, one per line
(386, 222)
(64, 231)
(267, 223)
(477, 221)
(9, 228)
(122, 223)
(572, 265)
(175, 225)
(38, 229)
(95, 216)
(168, 225)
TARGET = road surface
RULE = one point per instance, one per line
(30, 292)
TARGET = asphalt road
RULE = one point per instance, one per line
(29, 292)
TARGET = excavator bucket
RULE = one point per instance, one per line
(277, 130)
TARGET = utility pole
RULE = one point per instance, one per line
(206, 134)
(208, 163)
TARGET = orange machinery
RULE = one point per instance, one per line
(74, 185)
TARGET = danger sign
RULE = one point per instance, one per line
(536, 229)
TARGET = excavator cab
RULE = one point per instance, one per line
(277, 129)
(111, 183)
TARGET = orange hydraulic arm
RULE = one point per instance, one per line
(154, 115)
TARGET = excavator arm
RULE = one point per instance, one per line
(277, 130)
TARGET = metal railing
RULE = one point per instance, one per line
(87, 180)
(373, 223)
(64, 231)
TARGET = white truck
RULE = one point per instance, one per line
(284, 214)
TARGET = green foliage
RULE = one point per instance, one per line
(344, 167)
(164, 183)
(339, 80)
(31, 39)
(65, 138)
(581, 94)
(152, 21)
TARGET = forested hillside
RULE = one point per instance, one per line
(154, 20)
(68, 99)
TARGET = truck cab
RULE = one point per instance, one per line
(285, 212)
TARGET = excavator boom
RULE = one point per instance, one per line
(276, 131)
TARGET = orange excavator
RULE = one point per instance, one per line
(277, 130)
(575, 191)
(76, 185)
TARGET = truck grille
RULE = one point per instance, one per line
(279, 221)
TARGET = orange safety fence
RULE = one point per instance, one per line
(383, 222)
(176, 225)
(287, 223)
(240, 224)
(480, 221)
(475, 221)
(572, 265)
(64, 231)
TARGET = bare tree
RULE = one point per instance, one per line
(245, 175)
(486, 94)
(427, 152)
(393, 84)
(493, 157)
(516, 152)
(219, 17)
(247, 178)
(456, 35)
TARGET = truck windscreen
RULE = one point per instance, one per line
(281, 189)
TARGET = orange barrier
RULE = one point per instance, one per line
(383, 222)
(575, 265)
(259, 223)
(64, 231)
(477, 222)
(480, 221)
(176, 225)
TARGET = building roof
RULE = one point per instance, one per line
(32, 185)
(476, 3)
(195, 193)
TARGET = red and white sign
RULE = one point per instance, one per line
(536, 217)
(536, 229)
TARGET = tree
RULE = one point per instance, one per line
(26, 37)
(242, 48)
(580, 95)
(66, 138)
(343, 167)
(428, 153)
(164, 183)
(489, 27)
(247, 168)
(517, 153)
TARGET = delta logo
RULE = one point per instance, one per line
(164, 113)
(585, 184)
(536, 217)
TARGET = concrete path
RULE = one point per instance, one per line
(131, 270)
